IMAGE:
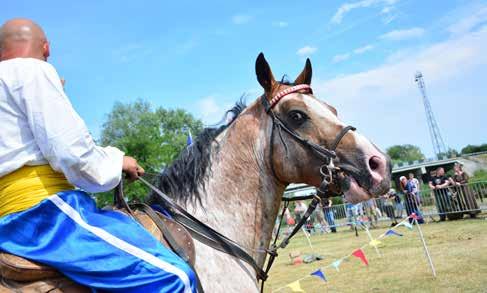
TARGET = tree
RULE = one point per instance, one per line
(474, 148)
(154, 137)
(405, 152)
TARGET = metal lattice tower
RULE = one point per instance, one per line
(438, 144)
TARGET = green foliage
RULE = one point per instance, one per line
(404, 153)
(474, 148)
(154, 137)
(479, 175)
(450, 153)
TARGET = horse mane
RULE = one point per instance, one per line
(187, 173)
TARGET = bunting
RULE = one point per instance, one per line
(406, 224)
(375, 243)
(295, 286)
(320, 274)
(392, 232)
(359, 253)
(337, 264)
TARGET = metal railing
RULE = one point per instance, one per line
(452, 202)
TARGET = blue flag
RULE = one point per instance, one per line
(189, 140)
(319, 273)
(392, 232)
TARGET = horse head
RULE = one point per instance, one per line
(363, 171)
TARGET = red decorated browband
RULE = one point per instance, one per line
(288, 91)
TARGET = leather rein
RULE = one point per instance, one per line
(218, 241)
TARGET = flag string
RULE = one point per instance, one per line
(337, 262)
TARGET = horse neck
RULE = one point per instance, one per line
(241, 196)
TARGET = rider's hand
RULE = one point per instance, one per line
(131, 168)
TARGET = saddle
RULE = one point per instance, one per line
(22, 275)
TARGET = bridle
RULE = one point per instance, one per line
(328, 169)
(213, 238)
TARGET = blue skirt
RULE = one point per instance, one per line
(104, 250)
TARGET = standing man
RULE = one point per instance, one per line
(329, 215)
(410, 199)
(439, 184)
(48, 163)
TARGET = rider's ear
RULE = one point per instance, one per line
(264, 73)
(305, 76)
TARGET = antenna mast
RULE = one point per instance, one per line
(438, 144)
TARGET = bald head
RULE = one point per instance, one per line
(23, 38)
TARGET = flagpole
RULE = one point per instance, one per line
(425, 248)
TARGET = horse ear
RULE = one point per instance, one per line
(264, 73)
(305, 76)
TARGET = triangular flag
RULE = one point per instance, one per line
(295, 286)
(406, 224)
(359, 253)
(375, 242)
(336, 264)
(319, 273)
(392, 232)
(189, 140)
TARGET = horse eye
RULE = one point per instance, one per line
(297, 116)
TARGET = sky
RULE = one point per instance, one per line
(200, 56)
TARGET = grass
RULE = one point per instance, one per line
(458, 250)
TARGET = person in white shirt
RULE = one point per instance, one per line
(48, 163)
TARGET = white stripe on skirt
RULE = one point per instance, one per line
(121, 244)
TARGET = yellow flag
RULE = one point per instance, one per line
(295, 286)
(375, 242)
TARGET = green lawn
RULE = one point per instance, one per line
(458, 249)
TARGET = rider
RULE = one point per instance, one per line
(48, 160)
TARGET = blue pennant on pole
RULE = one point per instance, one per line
(319, 273)
(189, 140)
(392, 232)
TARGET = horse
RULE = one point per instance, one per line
(232, 177)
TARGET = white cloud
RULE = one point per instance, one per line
(306, 51)
(280, 24)
(363, 49)
(385, 98)
(241, 18)
(398, 35)
(340, 57)
(347, 7)
(469, 22)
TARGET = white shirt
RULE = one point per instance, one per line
(38, 125)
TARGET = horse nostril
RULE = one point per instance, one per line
(374, 163)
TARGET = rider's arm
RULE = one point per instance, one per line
(62, 136)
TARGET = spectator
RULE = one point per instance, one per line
(389, 203)
(467, 199)
(370, 208)
(300, 210)
(320, 219)
(410, 199)
(439, 184)
(399, 207)
(329, 216)
(416, 188)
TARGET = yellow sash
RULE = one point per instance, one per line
(29, 185)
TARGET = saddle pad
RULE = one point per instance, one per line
(20, 269)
